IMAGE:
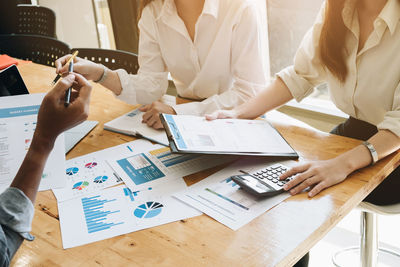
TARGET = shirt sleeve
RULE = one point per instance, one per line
(247, 68)
(151, 81)
(16, 212)
(307, 71)
(391, 120)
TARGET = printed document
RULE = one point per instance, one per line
(196, 134)
(18, 117)
(159, 166)
(118, 210)
(91, 172)
(222, 199)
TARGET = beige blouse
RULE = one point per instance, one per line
(371, 91)
(223, 66)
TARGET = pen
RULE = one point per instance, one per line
(68, 61)
(68, 92)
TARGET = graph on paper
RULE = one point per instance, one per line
(98, 214)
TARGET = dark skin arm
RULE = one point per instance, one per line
(53, 119)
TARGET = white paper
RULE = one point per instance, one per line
(193, 133)
(91, 172)
(18, 117)
(116, 211)
(131, 124)
(219, 197)
(160, 166)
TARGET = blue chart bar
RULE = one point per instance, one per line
(130, 194)
(95, 215)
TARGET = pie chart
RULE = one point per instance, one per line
(80, 185)
(100, 179)
(148, 210)
(72, 171)
(91, 165)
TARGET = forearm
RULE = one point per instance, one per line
(384, 142)
(275, 95)
(30, 173)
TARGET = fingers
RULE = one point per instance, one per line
(146, 116)
(318, 188)
(60, 64)
(60, 88)
(153, 121)
(84, 87)
(145, 108)
(212, 116)
(305, 184)
(295, 170)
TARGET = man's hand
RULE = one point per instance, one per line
(54, 118)
(153, 111)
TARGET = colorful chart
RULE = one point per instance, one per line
(80, 185)
(72, 171)
(91, 165)
(148, 210)
(100, 179)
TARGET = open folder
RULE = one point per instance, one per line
(193, 134)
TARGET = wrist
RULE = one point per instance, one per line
(42, 144)
(348, 164)
(99, 73)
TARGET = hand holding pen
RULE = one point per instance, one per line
(71, 59)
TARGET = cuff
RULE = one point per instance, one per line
(391, 122)
(125, 92)
(188, 109)
(16, 212)
(298, 86)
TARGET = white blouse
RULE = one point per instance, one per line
(222, 66)
(371, 91)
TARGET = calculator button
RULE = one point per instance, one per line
(274, 175)
(275, 180)
(270, 177)
(281, 183)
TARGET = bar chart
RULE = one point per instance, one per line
(98, 217)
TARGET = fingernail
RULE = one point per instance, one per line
(292, 192)
(285, 187)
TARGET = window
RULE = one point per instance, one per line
(288, 22)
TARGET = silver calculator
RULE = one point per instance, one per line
(264, 182)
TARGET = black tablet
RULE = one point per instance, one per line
(11, 82)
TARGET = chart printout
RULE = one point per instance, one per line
(18, 117)
(91, 172)
(118, 210)
(222, 199)
(160, 166)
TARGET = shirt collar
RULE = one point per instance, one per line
(211, 7)
(390, 14)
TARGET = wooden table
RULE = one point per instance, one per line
(279, 237)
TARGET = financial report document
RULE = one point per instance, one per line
(196, 134)
(18, 116)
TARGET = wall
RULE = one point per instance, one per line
(75, 22)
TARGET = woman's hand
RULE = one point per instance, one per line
(317, 175)
(153, 111)
(88, 69)
(222, 114)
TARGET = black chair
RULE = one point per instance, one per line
(35, 20)
(39, 49)
(112, 59)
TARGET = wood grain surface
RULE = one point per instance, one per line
(279, 237)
